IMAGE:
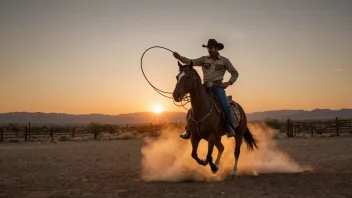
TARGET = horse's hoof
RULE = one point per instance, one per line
(233, 175)
(214, 169)
(203, 162)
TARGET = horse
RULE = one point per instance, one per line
(206, 121)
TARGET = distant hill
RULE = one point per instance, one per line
(62, 118)
(301, 114)
(147, 117)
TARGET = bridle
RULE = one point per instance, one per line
(186, 91)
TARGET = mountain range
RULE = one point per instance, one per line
(148, 117)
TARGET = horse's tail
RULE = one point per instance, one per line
(250, 140)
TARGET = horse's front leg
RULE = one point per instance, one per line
(211, 142)
(195, 142)
(220, 148)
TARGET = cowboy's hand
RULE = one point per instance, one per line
(225, 85)
(176, 55)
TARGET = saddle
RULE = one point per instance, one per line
(236, 115)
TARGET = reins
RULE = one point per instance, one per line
(198, 122)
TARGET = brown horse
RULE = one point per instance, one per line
(205, 122)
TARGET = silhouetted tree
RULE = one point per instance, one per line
(273, 123)
(95, 128)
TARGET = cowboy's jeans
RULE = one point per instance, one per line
(220, 93)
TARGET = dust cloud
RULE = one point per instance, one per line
(168, 158)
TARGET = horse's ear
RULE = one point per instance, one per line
(179, 65)
(191, 64)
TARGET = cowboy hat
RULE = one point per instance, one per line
(214, 43)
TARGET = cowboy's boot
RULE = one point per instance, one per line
(186, 134)
(230, 130)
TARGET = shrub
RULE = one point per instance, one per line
(125, 136)
(273, 123)
(95, 128)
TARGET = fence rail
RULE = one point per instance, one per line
(332, 127)
(29, 133)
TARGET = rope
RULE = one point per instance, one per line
(161, 92)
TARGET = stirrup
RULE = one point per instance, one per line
(185, 134)
(230, 131)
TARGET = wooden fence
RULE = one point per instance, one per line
(334, 127)
(151, 128)
(29, 133)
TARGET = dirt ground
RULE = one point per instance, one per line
(112, 169)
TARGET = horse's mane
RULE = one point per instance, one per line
(191, 69)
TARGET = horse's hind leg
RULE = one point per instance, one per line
(211, 142)
(220, 148)
(195, 142)
(238, 139)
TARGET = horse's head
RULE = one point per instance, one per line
(185, 81)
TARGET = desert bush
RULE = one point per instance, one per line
(126, 136)
(77, 139)
(64, 138)
(86, 138)
(105, 136)
(38, 139)
(14, 127)
(14, 140)
(273, 123)
(109, 128)
(95, 128)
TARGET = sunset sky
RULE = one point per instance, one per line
(83, 56)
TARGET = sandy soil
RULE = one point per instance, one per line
(113, 169)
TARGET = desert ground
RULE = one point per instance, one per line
(114, 169)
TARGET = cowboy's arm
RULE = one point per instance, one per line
(232, 70)
(196, 62)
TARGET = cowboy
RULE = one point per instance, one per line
(214, 67)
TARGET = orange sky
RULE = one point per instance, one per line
(83, 57)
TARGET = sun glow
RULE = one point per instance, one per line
(157, 109)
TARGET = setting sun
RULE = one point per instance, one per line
(157, 109)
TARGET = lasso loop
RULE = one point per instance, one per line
(161, 92)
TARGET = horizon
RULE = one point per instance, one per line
(84, 56)
(151, 112)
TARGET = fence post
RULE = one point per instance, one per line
(25, 133)
(126, 127)
(312, 128)
(337, 126)
(288, 127)
(1, 134)
(51, 133)
(29, 131)
(73, 132)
